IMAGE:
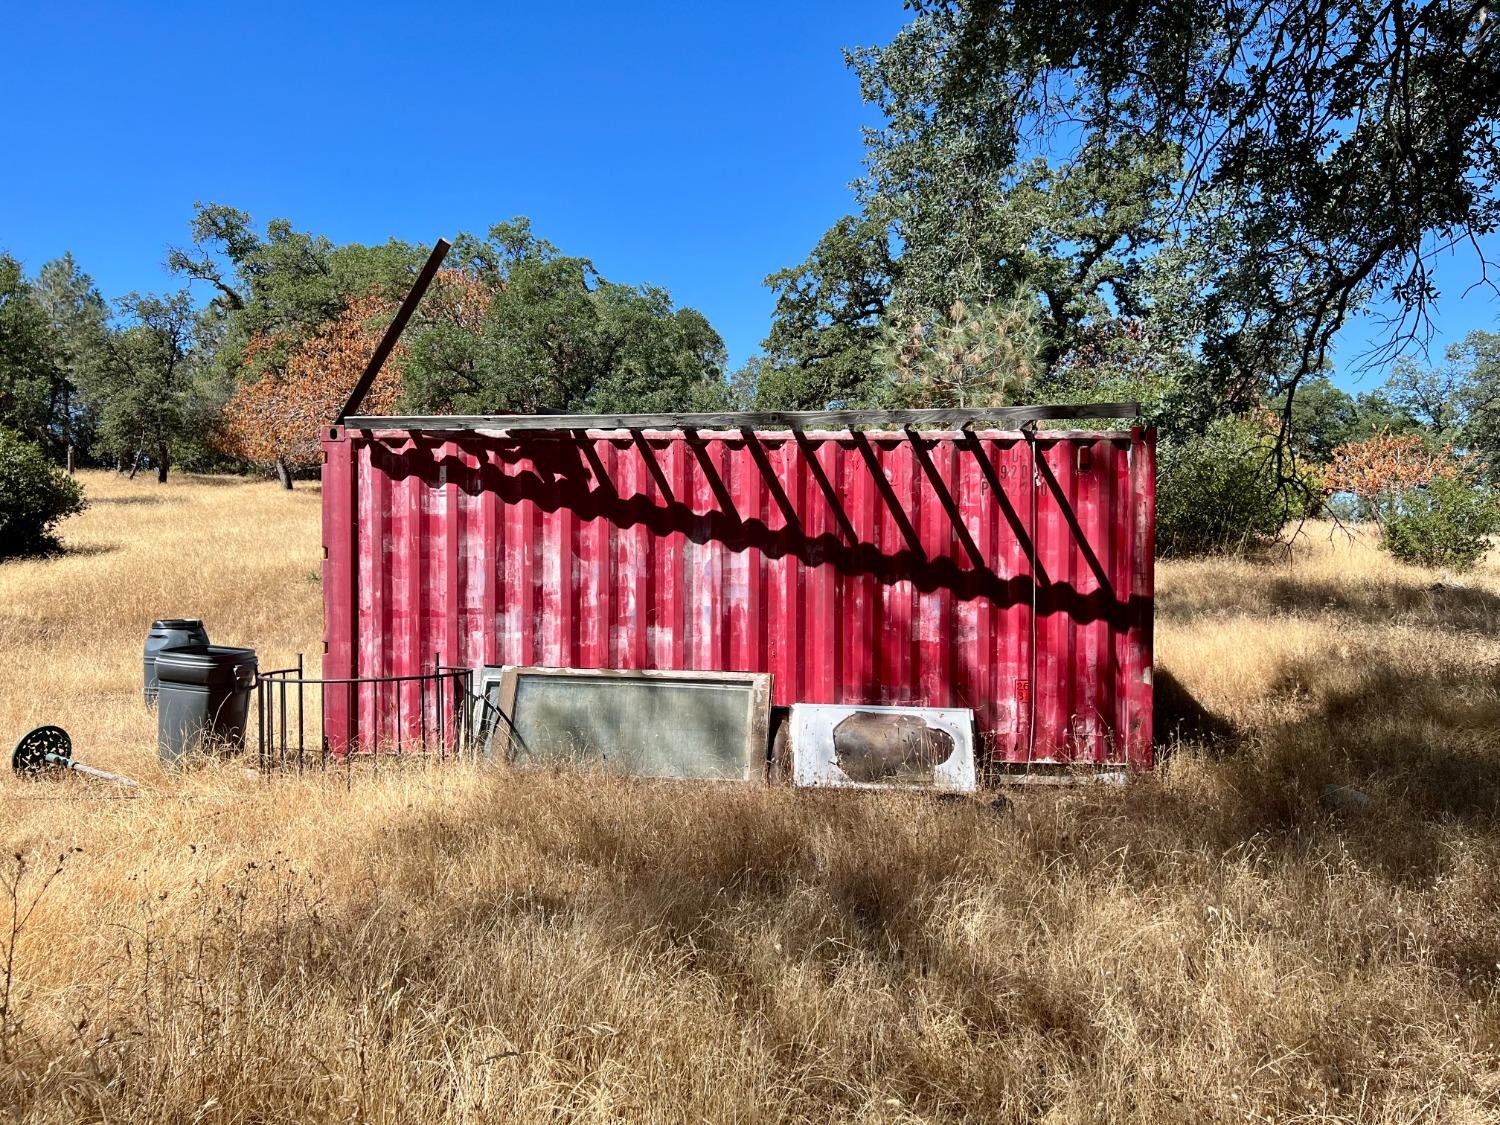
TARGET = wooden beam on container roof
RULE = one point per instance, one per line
(397, 326)
(750, 420)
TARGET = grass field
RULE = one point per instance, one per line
(1214, 942)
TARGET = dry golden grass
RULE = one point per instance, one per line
(1208, 943)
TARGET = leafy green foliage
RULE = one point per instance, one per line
(1229, 181)
(556, 335)
(34, 496)
(144, 386)
(277, 288)
(1472, 378)
(1323, 417)
(29, 379)
(971, 357)
(1128, 360)
(285, 278)
(516, 325)
(944, 222)
(1455, 402)
(78, 319)
(1431, 503)
(980, 221)
(1215, 491)
(1329, 148)
(952, 214)
(826, 331)
(1447, 523)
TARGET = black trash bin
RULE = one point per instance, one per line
(204, 699)
(168, 632)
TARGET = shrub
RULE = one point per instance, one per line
(1216, 491)
(1430, 502)
(1446, 523)
(34, 496)
(1384, 466)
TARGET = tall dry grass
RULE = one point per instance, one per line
(245, 557)
(1213, 942)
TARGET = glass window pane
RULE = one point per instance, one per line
(646, 727)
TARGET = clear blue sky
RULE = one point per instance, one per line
(694, 146)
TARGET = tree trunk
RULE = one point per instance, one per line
(135, 464)
(284, 473)
(163, 463)
(67, 427)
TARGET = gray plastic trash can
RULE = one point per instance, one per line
(168, 632)
(204, 698)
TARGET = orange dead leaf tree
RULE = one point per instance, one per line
(275, 421)
(1381, 469)
(1389, 463)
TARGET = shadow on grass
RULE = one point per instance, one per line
(54, 549)
(1178, 717)
(1439, 605)
(655, 886)
(88, 550)
(219, 480)
(133, 501)
(1431, 735)
(1419, 744)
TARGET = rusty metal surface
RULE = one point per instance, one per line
(995, 571)
(904, 748)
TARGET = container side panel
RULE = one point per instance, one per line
(340, 560)
(1141, 523)
(1090, 646)
(998, 515)
(880, 568)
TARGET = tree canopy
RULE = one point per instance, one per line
(29, 379)
(1328, 149)
(276, 418)
(1237, 177)
(546, 331)
(144, 380)
(512, 324)
(1178, 204)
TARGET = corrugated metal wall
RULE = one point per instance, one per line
(997, 571)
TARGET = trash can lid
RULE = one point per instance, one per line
(201, 664)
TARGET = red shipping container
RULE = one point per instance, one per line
(1002, 571)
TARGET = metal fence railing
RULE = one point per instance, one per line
(317, 722)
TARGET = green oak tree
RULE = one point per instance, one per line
(829, 320)
(272, 291)
(1453, 402)
(555, 335)
(944, 225)
(30, 379)
(1329, 150)
(144, 385)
